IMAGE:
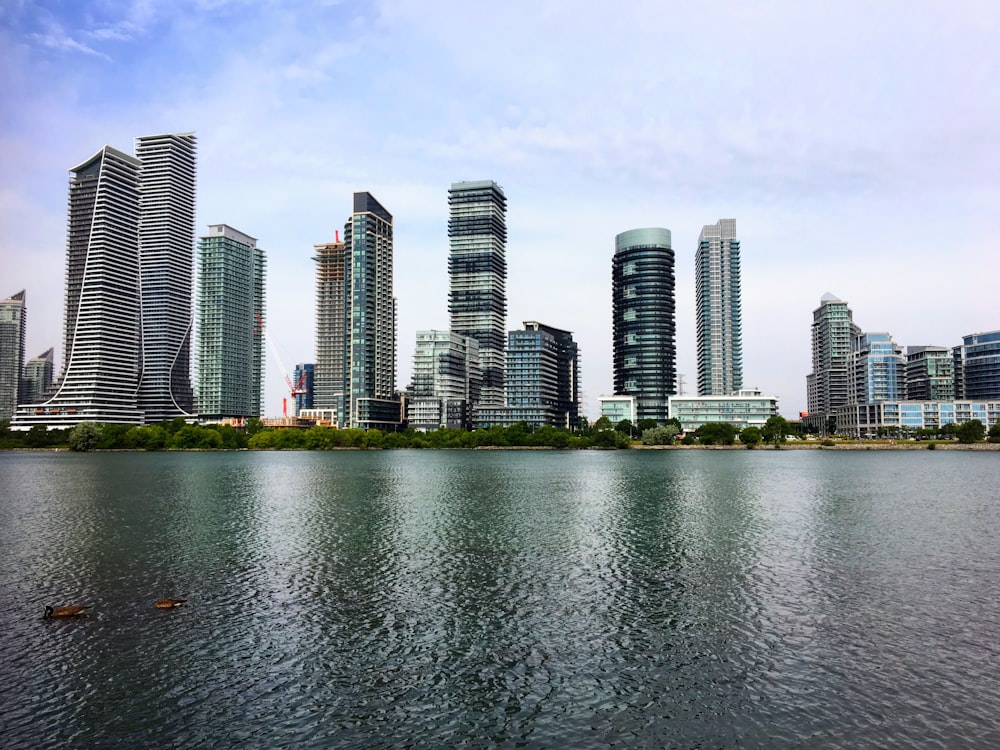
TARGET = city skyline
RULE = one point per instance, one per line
(890, 166)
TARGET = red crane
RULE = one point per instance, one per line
(295, 389)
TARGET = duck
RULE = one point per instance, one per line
(169, 603)
(68, 610)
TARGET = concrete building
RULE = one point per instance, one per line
(102, 339)
(643, 320)
(827, 386)
(12, 329)
(231, 319)
(330, 384)
(446, 381)
(930, 374)
(745, 408)
(477, 272)
(719, 310)
(977, 366)
(166, 254)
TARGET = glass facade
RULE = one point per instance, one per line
(930, 374)
(741, 409)
(878, 368)
(446, 381)
(643, 322)
(719, 310)
(477, 272)
(12, 327)
(231, 320)
(977, 366)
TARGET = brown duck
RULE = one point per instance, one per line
(70, 610)
(169, 603)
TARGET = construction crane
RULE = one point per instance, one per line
(295, 389)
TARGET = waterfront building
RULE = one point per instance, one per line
(166, 255)
(977, 366)
(370, 399)
(617, 408)
(305, 386)
(827, 386)
(446, 381)
(329, 385)
(231, 319)
(12, 329)
(930, 374)
(719, 310)
(877, 369)
(102, 340)
(477, 272)
(744, 408)
(643, 322)
(867, 420)
(543, 376)
(37, 379)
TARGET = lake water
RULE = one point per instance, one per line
(502, 599)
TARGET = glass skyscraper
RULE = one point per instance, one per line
(643, 322)
(12, 320)
(878, 369)
(231, 319)
(329, 384)
(719, 310)
(370, 367)
(477, 270)
(166, 254)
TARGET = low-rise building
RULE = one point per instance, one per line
(745, 408)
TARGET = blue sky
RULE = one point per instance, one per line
(857, 147)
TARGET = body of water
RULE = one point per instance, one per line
(532, 599)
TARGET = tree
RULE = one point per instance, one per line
(775, 430)
(716, 433)
(85, 436)
(625, 426)
(37, 437)
(750, 436)
(660, 435)
(970, 432)
(995, 432)
(645, 424)
(603, 424)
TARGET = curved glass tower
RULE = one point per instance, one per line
(642, 291)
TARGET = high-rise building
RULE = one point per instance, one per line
(102, 340)
(37, 380)
(644, 327)
(166, 253)
(719, 310)
(543, 377)
(977, 366)
(477, 269)
(827, 386)
(330, 384)
(446, 381)
(12, 326)
(305, 386)
(877, 369)
(370, 371)
(231, 319)
(930, 374)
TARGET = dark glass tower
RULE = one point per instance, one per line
(644, 327)
(477, 269)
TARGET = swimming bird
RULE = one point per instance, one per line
(70, 610)
(169, 603)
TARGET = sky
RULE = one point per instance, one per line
(856, 144)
